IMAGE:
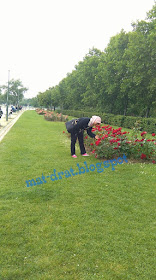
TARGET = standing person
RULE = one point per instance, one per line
(78, 131)
(1, 112)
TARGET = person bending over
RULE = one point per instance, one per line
(78, 132)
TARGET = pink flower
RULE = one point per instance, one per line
(153, 134)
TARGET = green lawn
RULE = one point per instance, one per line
(89, 226)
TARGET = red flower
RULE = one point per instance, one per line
(113, 141)
(63, 131)
(153, 134)
(144, 132)
(86, 137)
(93, 151)
(153, 161)
(97, 142)
(143, 156)
(91, 144)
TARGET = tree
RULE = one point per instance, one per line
(113, 72)
(141, 57)
(16, 92)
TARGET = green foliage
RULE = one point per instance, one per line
(49, 98)
(121, 80)
(16, 92)
(34, 102)
(113, 143)
(147, 124)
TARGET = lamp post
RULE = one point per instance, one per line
(7, 96)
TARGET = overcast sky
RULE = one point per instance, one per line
(43, 40)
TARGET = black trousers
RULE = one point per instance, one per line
(74, 137)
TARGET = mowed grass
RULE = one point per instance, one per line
(91, 226)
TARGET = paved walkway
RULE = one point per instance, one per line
(5, 126)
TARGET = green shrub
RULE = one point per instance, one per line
(146, 124)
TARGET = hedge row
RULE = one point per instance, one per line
(146, 124)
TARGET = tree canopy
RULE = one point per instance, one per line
(16, 92)
(119, 80)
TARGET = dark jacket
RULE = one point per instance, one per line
(82, 124)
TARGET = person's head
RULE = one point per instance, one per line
(95, 120)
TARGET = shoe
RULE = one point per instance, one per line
(74, 156)
(85, 155)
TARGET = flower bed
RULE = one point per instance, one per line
(40, 111)
(52, 116)
(115, 142)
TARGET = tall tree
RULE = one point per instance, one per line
(141, 57)
(16, 91)
(115, 72)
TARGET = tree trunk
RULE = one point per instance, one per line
(125, 111)
(147, 112)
